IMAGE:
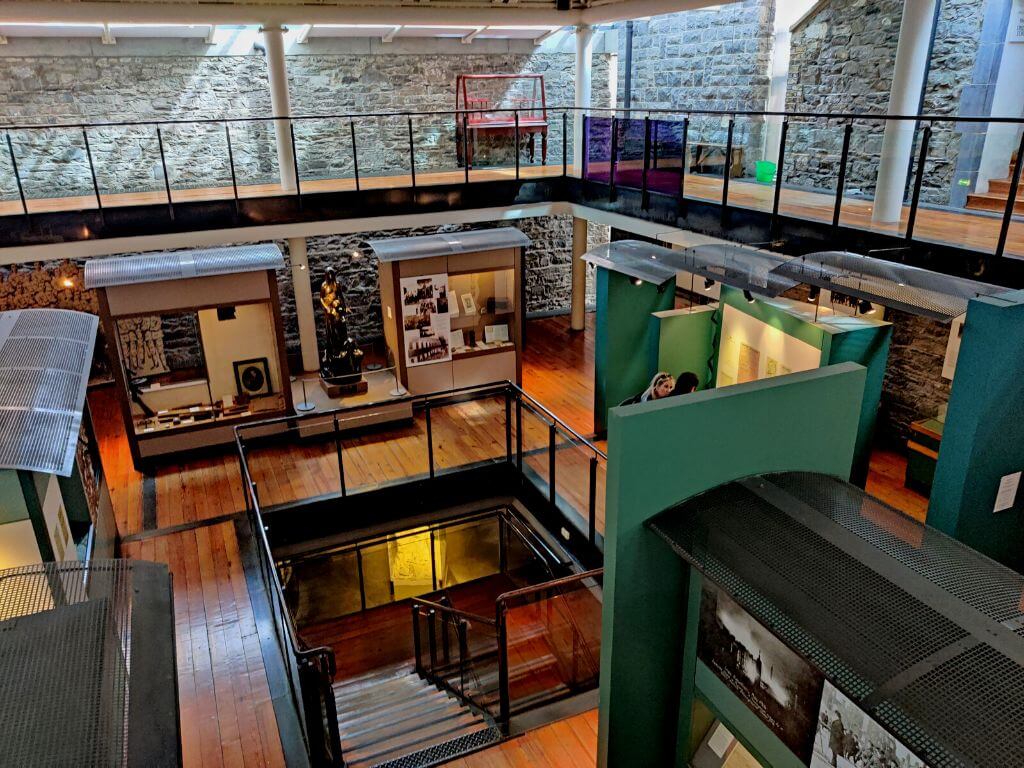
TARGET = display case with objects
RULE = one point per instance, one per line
(196, 344)
(453, 307)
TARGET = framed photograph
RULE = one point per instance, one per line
(426, 322)
(495, 333)
(252, 377)
(468, 305)
(771, 679)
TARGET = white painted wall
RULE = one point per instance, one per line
(250, 335)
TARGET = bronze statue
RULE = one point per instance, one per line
(341, 361)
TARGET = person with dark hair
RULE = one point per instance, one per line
(686, 382)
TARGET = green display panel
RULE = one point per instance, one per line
(626, 341)
(661, 453)
(983, 438)
(686, 342)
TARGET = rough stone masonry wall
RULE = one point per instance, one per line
(56, 89)
(842, 60)
(714, 59)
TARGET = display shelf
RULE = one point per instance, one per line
(462, 353)
(384, 401)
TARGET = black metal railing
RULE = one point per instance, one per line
(552, 457)
(554, 627)
(414, 144)
(309, 671)
(511, 428)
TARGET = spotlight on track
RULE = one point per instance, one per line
(813, 294)
(708, 283)
(637, 281)
(865, 307)
(749, 297)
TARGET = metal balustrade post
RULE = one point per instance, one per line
(644, 196)
(585, 139)
(516, 115)
(552, 439)
(773, 226)
(92, 171)
(341, 461)
(592, 507)
(465, 145)
(508, 426)
(922, 158)
(612, 159)
(682, 161)
(412, 154)
(565, 146)
(728, 171)
(295, 163)
(1011, 201)
(654, 145)
(167, 179)
(519, 433)
(463, 653)
(430, 440)
(241, 472)
(231, 165)
(355, 154)
(433, 574)
(841, 181)
(362, 579)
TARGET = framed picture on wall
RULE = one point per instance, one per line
(252, 377)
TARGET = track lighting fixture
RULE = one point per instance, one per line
(637, 281)
(813, 294)
(749, 297)
(865, 307)
(708, 283)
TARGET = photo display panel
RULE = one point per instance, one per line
(813, 718)
(774, 682)
(425, 319)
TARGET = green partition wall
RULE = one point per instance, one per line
(626, 340)
(983, 438)
(659, 454)
(686, 342)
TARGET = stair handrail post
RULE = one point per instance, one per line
(432, 638)
(463, 627)
(417, 643)
(1011, 200)
(504, 705)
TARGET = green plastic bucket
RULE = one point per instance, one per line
(765, 172)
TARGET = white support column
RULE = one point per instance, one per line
(584, 62)
(904, 99)
(304, 303)
(280, 104)
(578, 315)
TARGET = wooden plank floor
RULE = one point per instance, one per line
(570, 743)
(968, 229)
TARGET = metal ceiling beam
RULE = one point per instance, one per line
(49, 11)
(467, 39)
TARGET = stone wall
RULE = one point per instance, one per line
(62, 89)
(842, 61)
(713, 59)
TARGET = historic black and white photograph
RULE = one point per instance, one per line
(771, 679)
(848, 738)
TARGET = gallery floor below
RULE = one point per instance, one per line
(185, 514)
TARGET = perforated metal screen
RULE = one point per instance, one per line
(45, 358)
(175, 265)
(926, 635)
(900, 286)
(448, 243)
(65, 662)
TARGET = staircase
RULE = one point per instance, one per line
(392, 717)
(998, 192)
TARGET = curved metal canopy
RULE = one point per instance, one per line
(448, 243)
(45, 358)
(910, 289)
(177, 265)
(741, 267)
(910, 624)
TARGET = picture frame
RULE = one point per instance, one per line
(252, 377)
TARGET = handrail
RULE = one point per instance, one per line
(504, 597)
(925, 117)
(420, 603)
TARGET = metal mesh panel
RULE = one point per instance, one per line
(175, 265)
(448, 243)
(65, 661)
(909, 623)
(644, 261)
(449, 750)
(45, 357)
(911, 289)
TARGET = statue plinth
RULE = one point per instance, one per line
(336, 388)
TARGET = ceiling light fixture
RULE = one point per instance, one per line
(749, 297)
(813, 294)
(708, 283)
